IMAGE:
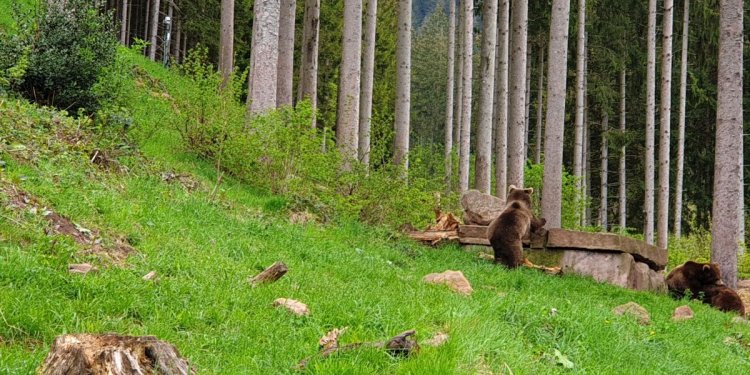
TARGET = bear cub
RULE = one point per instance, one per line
(506, 232)
(704, 282)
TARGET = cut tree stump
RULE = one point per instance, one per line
(270, 274)
(112, 354)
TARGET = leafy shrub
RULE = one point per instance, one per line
(63, 52)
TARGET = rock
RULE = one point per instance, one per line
(480, 208)
(439, 339)
(633, 309)
(642, 277)
(149, 276)
(561, 239)
(682, 313)
(740, 320)
(82, 268)
(613, 268)
(454, 279)
(296, 307)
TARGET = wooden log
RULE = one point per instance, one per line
(270, 274)
(113, 355)
(434, 236)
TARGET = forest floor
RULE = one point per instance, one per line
(143, 203)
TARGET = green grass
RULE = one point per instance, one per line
(204, 249)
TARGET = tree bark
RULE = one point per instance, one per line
(622, 182)
(553, 141)
(603, 174)
(468, 46)
(483, 166)
(147, 23)
(308, 80)
(501, 104)
(728, 184)
(285, 77)
(226, 41)
(124, 23)
(264, 56)
(154, 30)
(665, 117)
(347, 119)
(368, 69)
(539, 110)
(648, 231)
(516, 100)
(677, 226)
(270, 274)
(580, 95)
(177, 39)
(586, 148)
(459, 81)
(403, 85)
(527, 100)
(448, 155)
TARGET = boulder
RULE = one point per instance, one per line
(682, 313)
(454, 279)
(642, 277)
(480, 208)
(613, 268)
(633, 309)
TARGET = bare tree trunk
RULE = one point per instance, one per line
(368, 69)
(285, 78)
(154, 30)
(665, 117)
(728, 187)
(226, 40)
(527, 100)
(483, 166)
(264, 56)
(580, 95)
(516, 100)
(501, 106)
(459, 81)
(586, 148)
(308, 80)
(403, 84)
(449, 94)
(622, 187)
(553, 136)
(124, 23)
(167, 42)
(468, 44)
(603, 173)
(347, 121)
(648, 231)
(539, 110)
(677, 226)
(177, 39)
(146, 24)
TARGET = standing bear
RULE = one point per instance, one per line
(506, 232)
(704, 282)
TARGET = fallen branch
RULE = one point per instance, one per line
(270, 274)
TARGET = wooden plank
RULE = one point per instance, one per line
(478, 231)
(434, 235)
(473, 241)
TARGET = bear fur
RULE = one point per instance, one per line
(723, 298)
(506, 232)
(693, 276)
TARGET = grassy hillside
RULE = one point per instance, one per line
(205, 242)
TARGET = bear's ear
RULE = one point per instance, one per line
(511, 188)
(706, 268)
(529, 191)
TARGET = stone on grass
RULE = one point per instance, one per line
(439, 339)
(682, 313)
(613, 268)
(740, 320)
(82, 268)
(454, 279)
(480, 208)
(296, 307)
(633, 309)
(149, 276)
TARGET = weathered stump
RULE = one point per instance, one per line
(270, 274)
(112, 354)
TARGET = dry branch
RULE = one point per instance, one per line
(270, 274)
(402, 344)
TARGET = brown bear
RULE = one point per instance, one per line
(506, 232)
(723, 298)
(693, 276)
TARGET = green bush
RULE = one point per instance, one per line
(59, 55)
(573, 201)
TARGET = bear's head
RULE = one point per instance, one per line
(519, 195)
(707, 273)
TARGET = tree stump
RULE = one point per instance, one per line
(270, 274)
(112, 354)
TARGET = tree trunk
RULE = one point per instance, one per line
(308, 80)
(728, 185)
(501, 104)
(648, 231)
(347, 119)
(264, 55)
(154, 30)
(147, 22)
(285, 77)
(449, 94)
(527, 100)
(539, 110)
(368, 69)
(603, 174)
(586, 148)
(167, 42)
(483, 166)
(665, 117)
(677, 227)
(516, 100)
(468, 46)
(403, 85)
(553, 141)
(580, 95)
(226, 41)
(459, 81)
(177, 39)
(622, 184)
(124, 23)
